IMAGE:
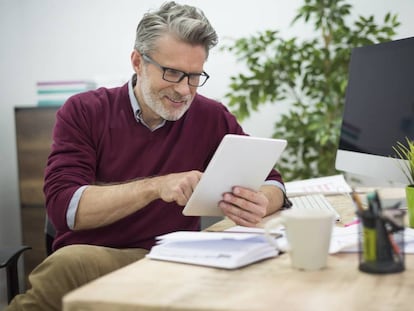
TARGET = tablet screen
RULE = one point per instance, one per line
(238, 161)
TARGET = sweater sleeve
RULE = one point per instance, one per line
(71, 163)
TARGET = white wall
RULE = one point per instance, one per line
(55, 39)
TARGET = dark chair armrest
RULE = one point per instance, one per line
(10, 254)
(9, 257)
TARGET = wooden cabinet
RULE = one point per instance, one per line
(33, 140)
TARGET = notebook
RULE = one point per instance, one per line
(238, 161)
(225, 250)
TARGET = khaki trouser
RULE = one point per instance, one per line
(69, 268)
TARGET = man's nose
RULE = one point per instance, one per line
(183, 87)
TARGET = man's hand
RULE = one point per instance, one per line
(101, 205)
(247, 207)
(178, 187)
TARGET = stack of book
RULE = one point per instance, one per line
(55, 93)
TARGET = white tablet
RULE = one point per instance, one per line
(238, 161)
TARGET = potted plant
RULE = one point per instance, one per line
(307, 74)
(406, 153)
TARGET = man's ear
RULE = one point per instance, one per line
(136, 61)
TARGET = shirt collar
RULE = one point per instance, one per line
(134, 103)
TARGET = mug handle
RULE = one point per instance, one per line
(273, 224)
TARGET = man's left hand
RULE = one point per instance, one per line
(244, 206)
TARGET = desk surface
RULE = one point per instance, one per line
(268, 285)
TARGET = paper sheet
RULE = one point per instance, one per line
(335, 184)
(344, 239)
(203, 236)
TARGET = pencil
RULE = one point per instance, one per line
(357, 201)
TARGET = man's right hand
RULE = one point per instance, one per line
(178, 187)
(104, 204)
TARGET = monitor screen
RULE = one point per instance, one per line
(378, 111)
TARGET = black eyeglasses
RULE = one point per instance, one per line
(176, 76)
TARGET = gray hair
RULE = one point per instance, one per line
(185, 22)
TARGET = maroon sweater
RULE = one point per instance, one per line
(96, 139)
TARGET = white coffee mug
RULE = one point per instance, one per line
(308, 234)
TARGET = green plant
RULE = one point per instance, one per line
(406, 152)
(309, 75)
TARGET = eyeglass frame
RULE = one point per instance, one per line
(184, 74)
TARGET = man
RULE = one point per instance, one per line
(125, 161)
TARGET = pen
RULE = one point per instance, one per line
(374, 203)
(384, 243)
(395, 247)
(392, 227)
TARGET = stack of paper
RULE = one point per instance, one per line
(335, 184)
(226, 250)
(345, 240)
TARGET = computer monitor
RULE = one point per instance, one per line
(378, 112)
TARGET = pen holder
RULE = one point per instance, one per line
(381, 241)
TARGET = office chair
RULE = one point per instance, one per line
(9, 256)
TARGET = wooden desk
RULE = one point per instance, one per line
(269, 285)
